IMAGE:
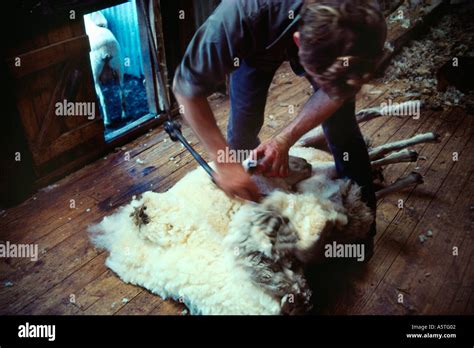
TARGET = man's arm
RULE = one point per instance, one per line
(275, 151)
(199, 116)
(230, 177)
(225, 36)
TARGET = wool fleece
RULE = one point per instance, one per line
(188, 243)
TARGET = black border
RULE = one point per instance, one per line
(261, 330)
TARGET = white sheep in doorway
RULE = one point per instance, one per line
(106, 59)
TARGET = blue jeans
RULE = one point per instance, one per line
(248, 95)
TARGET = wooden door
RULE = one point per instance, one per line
(52, 70)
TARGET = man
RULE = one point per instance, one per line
(334, 43)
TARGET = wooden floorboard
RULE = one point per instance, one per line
(392, 243)
(405, 265)
(70, 276)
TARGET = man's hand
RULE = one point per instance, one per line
(236, 182)
(274, 157)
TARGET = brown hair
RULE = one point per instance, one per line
(341, 42)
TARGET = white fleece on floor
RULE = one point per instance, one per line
(183, 253)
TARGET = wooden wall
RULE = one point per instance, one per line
(46, 61)
(55, 68)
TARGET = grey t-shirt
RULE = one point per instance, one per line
(259, 31)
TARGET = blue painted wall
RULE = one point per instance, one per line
(122, 21)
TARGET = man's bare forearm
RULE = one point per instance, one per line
(315, 111)
(230, 177)
(198, 114)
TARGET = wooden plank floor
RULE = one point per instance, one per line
(70, 276)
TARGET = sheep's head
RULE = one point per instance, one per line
(360, 216)
(298, 170)
(264, 243)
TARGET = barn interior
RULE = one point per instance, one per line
(61, 175)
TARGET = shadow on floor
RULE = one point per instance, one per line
(333, 281)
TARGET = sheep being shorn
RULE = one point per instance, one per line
(224, 256)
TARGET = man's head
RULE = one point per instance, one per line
(340, 43)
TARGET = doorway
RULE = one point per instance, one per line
(122, 69)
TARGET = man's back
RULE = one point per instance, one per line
(258, 31)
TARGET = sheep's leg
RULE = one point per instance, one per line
(315, 138)
(116, 66)
(297, 176)
(407, 181)
(103, 106)
(123, 103)
(122, 95)
(387, 110)
(381, 150)
(396, 157)
(368, 114)
(97, 66)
